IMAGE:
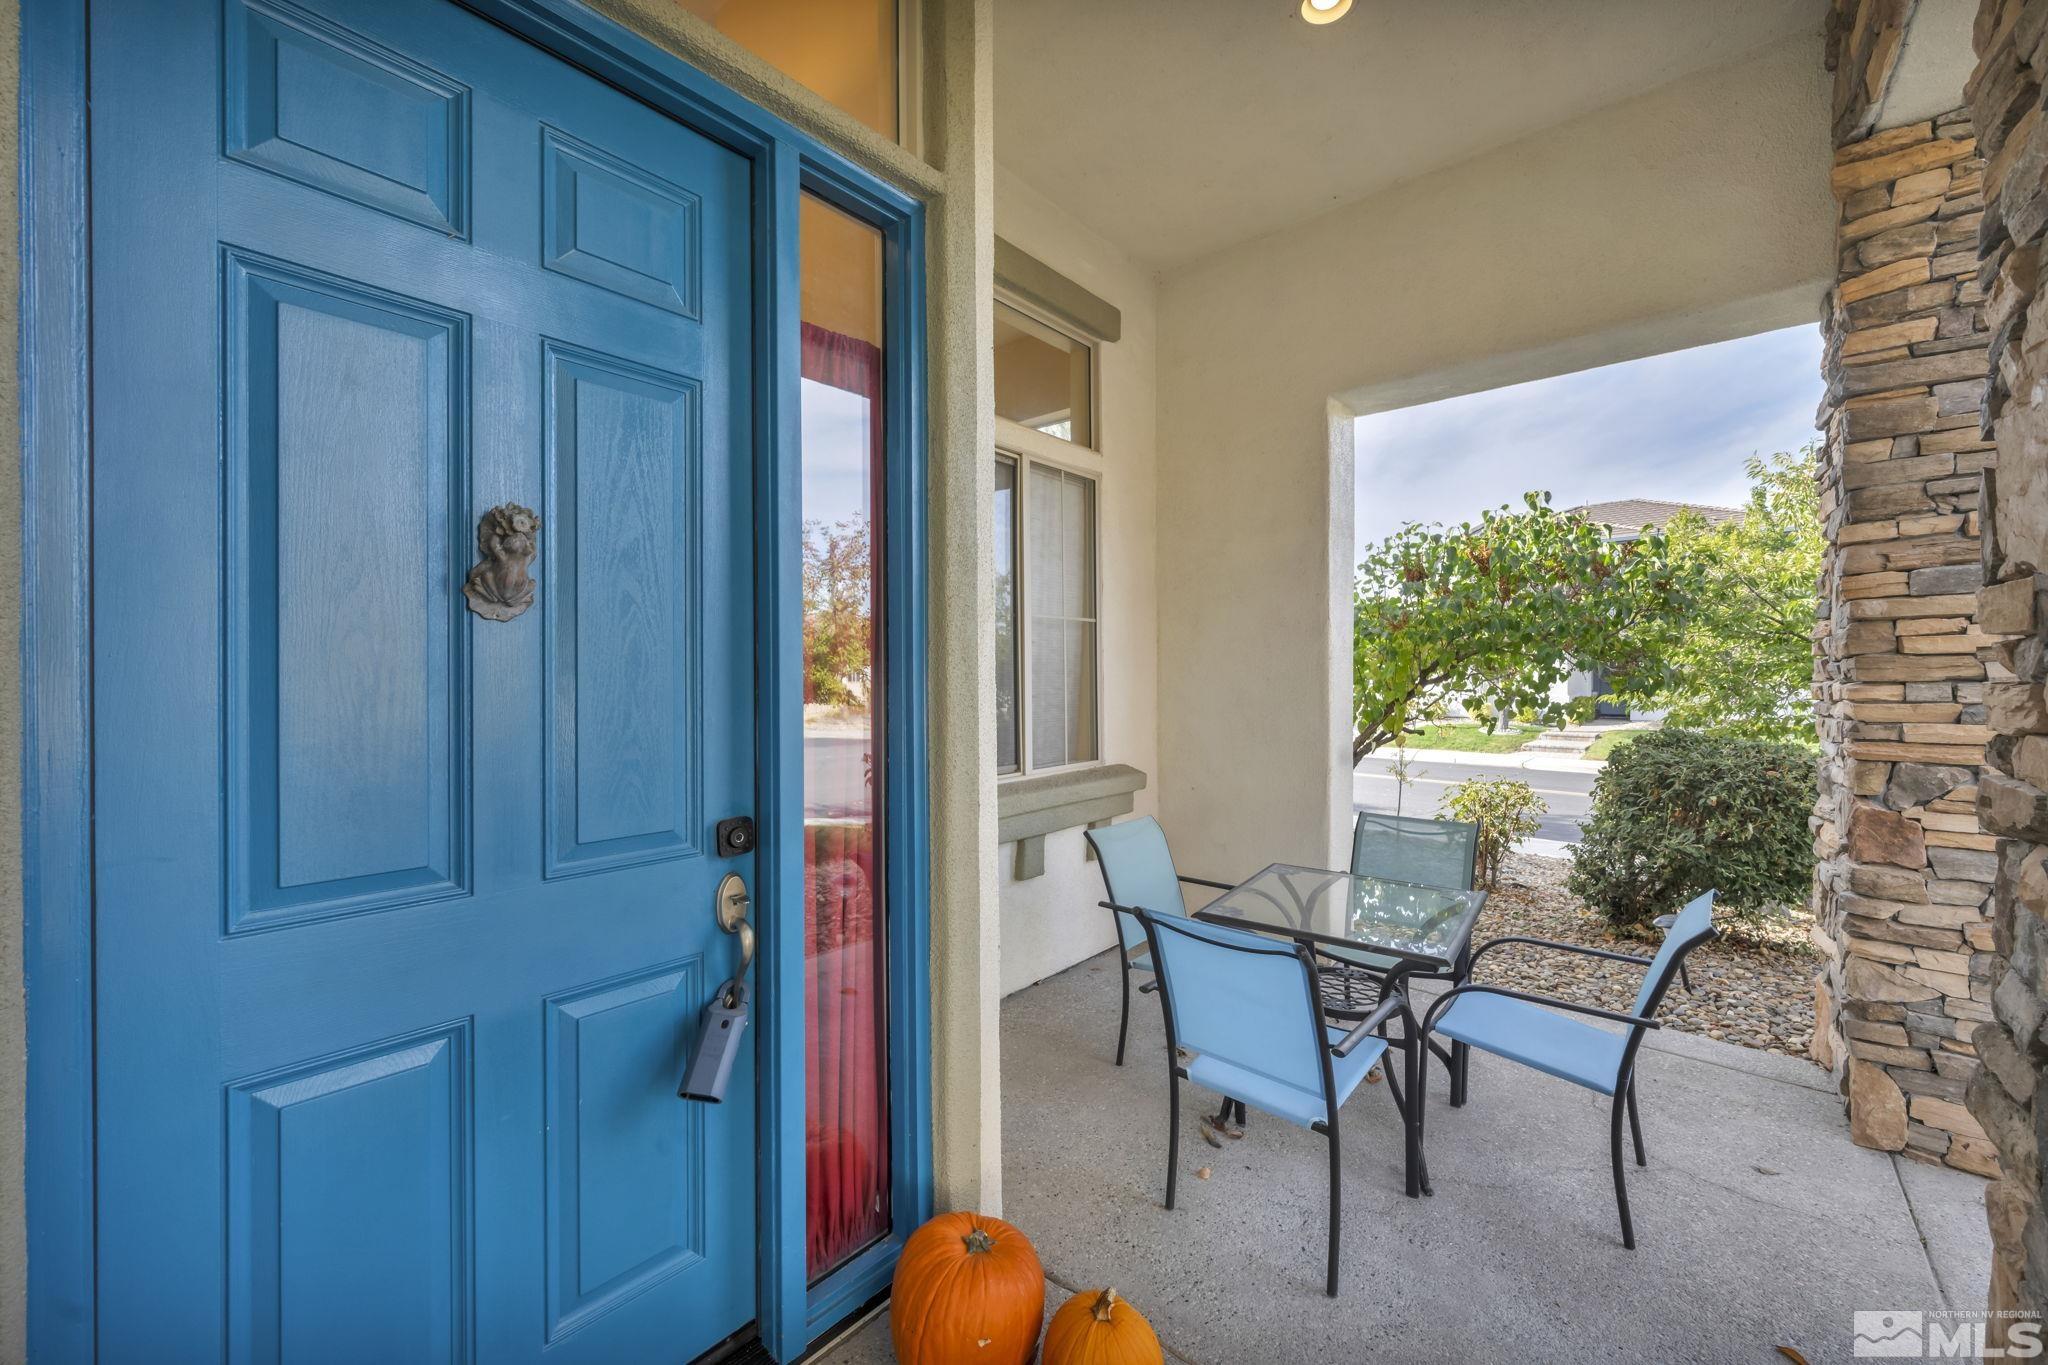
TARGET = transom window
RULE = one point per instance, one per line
(855, 53)
(1045, 378)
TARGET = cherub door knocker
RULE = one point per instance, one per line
(499, 588)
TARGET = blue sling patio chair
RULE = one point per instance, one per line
(1406, 848)
(1529, 1029)
(1244, 1018)
(1138, 874)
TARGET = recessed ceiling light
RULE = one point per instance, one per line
(1324, 11)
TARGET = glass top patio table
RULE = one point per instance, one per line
(1427, 926)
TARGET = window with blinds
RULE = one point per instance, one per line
(1047, 645)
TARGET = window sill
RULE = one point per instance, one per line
(1029, 808)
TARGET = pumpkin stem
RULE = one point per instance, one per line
(979, 1242)
(1105, 1306)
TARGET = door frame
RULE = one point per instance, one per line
(57, 960)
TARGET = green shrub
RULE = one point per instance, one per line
(1677, 812)
(1505, 810)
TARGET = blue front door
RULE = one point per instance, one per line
(404, 915)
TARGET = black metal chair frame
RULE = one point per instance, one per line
(1392, 1003)
(1624, 1098)
(1123, 956)
(1457, 1058)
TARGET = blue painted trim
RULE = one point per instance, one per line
(846, 1290)
(55, 680)
(905, 793)
(908, 554)
(914, 1028)
(780, 816)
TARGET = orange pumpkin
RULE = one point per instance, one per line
(1100, 1329)
(969, 1291)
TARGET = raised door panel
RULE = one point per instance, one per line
(618, 226)
(623, 611)
(348, 1206)
(346, 727)
(625, 1158)
(313, 102)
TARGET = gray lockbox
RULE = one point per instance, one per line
(718, 1045)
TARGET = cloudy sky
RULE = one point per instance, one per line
(835, 446)
(1675, 426)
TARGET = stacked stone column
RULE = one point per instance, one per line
(2005, 92)
(1905, 869)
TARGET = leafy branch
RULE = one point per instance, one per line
(1494, 614)
(1742, 659)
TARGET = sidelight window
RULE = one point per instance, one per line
(846, 1064)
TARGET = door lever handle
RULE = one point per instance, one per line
(732, 917)
(746, 933)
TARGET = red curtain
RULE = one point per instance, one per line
(845, 1065)
(847, 1147)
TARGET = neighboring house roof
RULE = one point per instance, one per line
(1632, 516)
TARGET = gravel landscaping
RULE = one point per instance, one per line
(1753, 985)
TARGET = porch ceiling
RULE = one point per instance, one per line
(1177, 130)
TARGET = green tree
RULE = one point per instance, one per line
(1742, 659)
(1493, 615)
(838, 613)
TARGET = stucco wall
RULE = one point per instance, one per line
(967, 1118)
(1052, 921)
(1695, 213)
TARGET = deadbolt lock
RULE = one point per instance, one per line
(735, 837)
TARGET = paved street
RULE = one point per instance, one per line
(1567, 791)
(835, 775)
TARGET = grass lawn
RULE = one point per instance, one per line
(1473, 739)
(1604, 747)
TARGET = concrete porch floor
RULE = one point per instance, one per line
(1758, 1223)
